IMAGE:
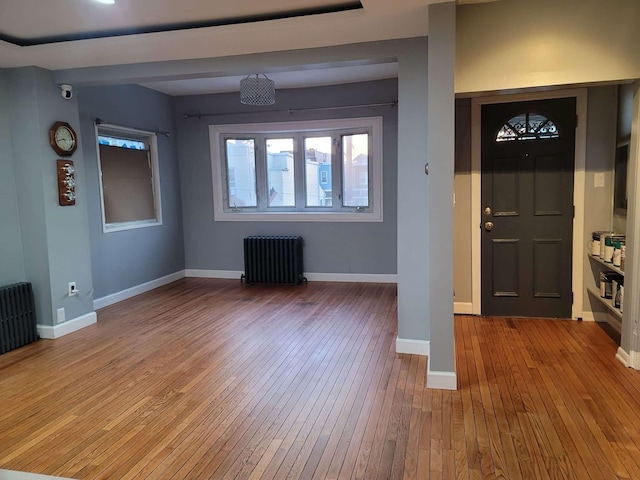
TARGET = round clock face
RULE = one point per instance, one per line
(65, 139)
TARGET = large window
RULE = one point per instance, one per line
(129, 182)
(329, 170)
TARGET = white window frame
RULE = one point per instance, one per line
(150, 138)
(217, 134)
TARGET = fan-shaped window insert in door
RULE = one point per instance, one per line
(527, 126)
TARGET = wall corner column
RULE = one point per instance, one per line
(630, 339)
(413, 202)
(441, 157)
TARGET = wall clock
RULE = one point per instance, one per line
(63, 139)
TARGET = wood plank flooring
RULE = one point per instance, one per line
(208, 379)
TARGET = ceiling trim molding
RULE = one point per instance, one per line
(367, 53)
(170, 27)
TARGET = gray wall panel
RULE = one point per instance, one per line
(11, 258)
(54, 238)
(368, 248)
(29, 166)
(124, 259)
(601, 141)
(441, 157)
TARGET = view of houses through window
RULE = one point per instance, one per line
(313, 167)
(317, 160)
(244, 164)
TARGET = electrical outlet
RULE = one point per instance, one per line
(61, 316)
(73, 291)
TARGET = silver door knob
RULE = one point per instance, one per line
(488, 226)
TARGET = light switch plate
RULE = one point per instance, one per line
(598, 180)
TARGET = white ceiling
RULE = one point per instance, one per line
(26, 20)
(295, 79)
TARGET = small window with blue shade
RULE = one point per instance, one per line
(122, 142)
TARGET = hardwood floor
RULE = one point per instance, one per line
(209, 379)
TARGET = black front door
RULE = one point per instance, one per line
(528, 151)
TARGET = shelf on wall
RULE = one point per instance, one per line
(605, 301)
(609, 266)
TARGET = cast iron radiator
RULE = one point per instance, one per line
(17, 316)
(273, 260)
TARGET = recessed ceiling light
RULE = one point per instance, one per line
(108, 2)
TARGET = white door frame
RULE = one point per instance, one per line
(631, 318)
(580, 95)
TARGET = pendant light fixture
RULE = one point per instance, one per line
(257, 89)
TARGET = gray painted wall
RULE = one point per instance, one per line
(441, 154)
(598, 202)
(413, 259)
(55, 239)
(625, 113)
(11, 258)
(367, 248)
(29, 166)
(124, 259)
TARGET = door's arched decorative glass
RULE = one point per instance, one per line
(527, 126)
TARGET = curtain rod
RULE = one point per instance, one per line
(99, 121)
(292, 110)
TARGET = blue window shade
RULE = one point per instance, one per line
(121, 142)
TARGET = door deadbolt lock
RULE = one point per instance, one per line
(487, 211)
(488, 226)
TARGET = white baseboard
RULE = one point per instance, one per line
(353, 277)
(57, 331)
(634, 360)
(623, 357)
(412, 347)
(588, 317)
(313, 277)
(137, 290)
(231, 274)
(442, 380)
(463, 308)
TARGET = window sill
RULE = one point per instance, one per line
(298, 217)
(118, 227)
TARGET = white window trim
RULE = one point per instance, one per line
(155, 172)
(373, 215)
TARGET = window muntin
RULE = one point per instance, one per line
(129, 178)
(317, 178)
(527, 126)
